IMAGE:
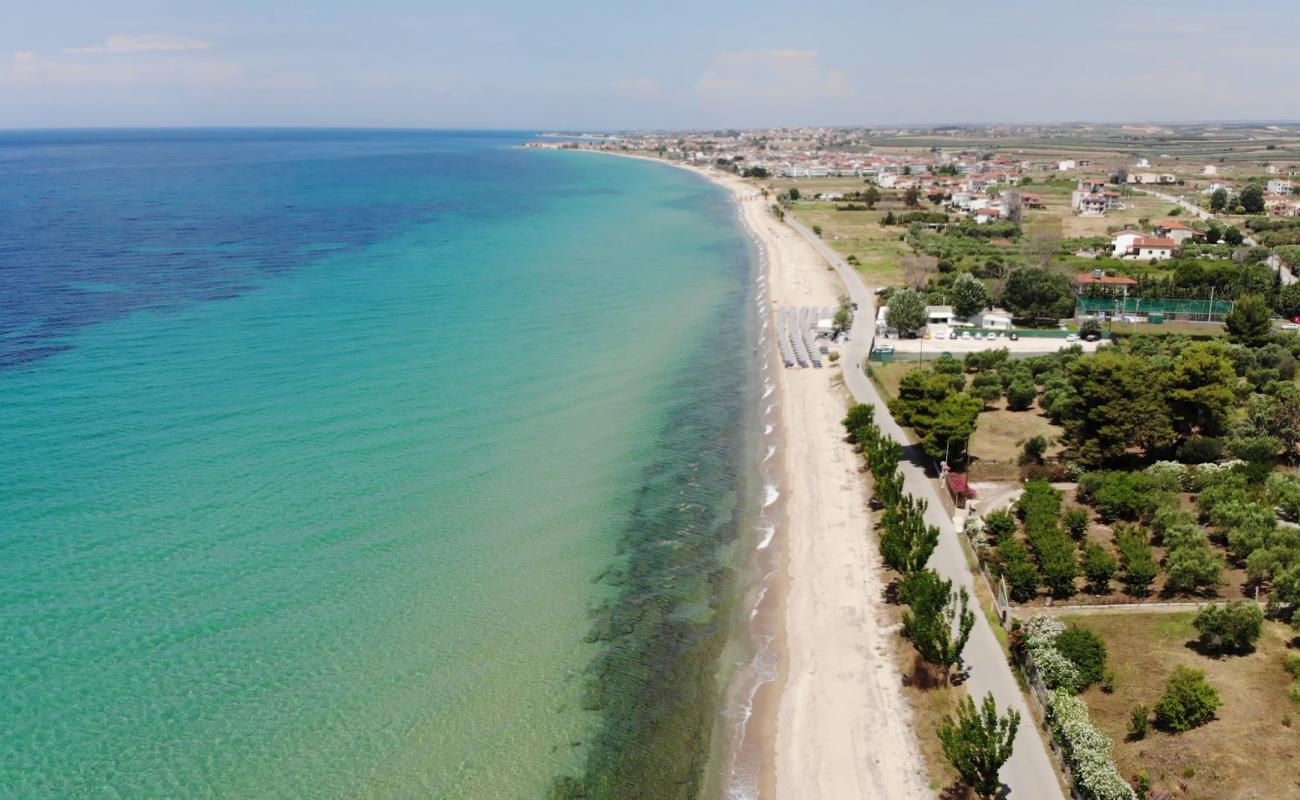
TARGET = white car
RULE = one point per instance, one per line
(990, 336)
(1074, 337)
(1291, 326)
(965, 334)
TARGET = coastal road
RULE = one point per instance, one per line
(1029, 774)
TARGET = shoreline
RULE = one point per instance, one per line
(830, 721)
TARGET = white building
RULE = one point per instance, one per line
(1279, 186)
(1065, 166)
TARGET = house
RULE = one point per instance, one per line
(1089, 204)
(986, 215)
(1144, 163)
(1169, 229)
(1279, 186)
(1210, 169)
(939, 316)
(1065, 166)
(1099, 278)
(1133, 244)
(994, 320)
(1091, 199)
(1032, 201)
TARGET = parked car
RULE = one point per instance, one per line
(953, 334)
(1291, 326)
(1073, 337)
(965, 335)
(1013, 336)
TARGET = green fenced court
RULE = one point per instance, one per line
(1164, 308)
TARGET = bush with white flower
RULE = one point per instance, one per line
(1087, 750)
(1053, 668)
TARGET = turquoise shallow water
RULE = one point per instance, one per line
(333, 522)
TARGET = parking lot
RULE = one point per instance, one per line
(1025, 344)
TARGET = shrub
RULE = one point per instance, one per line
(1020, 573)
(1137, 563)
(1233, 627)
(1076, 522)
(1188, 701)
(1099, 567)
(1138, 721)
(1086, 650)
(1020, 395)
(1200, 450)
(1292, 665)
(1121, 496)
(999, 524)
(1033, 450)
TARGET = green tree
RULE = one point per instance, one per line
(871, 196)
(952, 427)
(906, 311)
(1120, 403)
(906, 542)
(1188, 701)
(1036, 293)
(937, 619)
(1099, 567)
(794, 193)
(1234, 627)
(1219, 200)
(969, 297)
(1193, 568)
(1201, 390)
(1248, 321)
(1233, 236)
(912, 197)
(978, 742)
(1252, 199)
(999, 524)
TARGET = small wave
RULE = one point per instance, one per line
(768, 388)
(769, 408)
(771, 451)
(767, 430)
(770, 495)
(769, 530)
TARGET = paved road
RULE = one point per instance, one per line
(1288, 277)
(1029, 773)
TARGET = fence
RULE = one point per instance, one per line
(1169, 308)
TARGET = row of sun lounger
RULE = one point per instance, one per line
(796, 336)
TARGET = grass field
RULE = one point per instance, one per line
(860, 234)
(1251, 750)
(999, 435)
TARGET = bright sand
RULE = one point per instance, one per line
(840, 727)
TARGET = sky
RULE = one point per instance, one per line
(619, 65)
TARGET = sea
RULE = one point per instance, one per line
(372, 464)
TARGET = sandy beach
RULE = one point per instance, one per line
(836, 721)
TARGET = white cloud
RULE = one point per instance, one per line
(143, 43)
(25, 65)
(759, 79)
(639, 88)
